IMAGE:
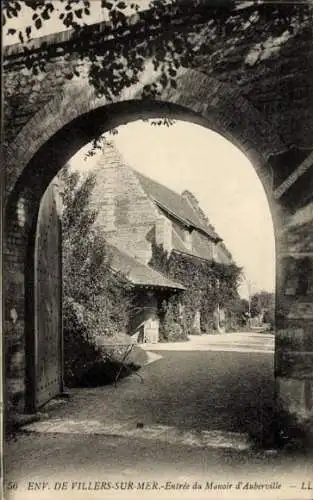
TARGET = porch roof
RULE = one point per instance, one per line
(139, 274)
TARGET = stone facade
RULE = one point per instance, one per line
(294, 316)
(132, 214)
(126, 215)
(135, 212)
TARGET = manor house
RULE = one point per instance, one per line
(135, 212)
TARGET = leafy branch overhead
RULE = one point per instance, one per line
(170, 34)
(210, 35)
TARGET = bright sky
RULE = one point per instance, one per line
(188, 156)
(53, 25)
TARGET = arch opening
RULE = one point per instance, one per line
(51, 157)
(54, 153)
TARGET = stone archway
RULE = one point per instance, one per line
(74, 116)
(198, 98)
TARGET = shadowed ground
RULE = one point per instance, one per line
(186, 393)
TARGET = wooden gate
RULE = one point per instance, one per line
(48, 362)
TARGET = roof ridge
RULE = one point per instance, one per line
(171, 201)
(156, 182)
(194, 202)
(183, 210)
(110, 147)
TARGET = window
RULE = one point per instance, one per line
(214, 252)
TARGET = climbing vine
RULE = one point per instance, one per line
(208, 285)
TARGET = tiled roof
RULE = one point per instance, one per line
(138, 273)
(175, 204)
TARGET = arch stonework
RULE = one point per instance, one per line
(197, 98)
(206, 98)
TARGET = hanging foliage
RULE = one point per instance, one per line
(208, 285)
(168, 35)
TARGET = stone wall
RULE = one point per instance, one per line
(126, 215)
(203, 245)
(276, 79)
(294, 339)
(164, 233)
(222, 255)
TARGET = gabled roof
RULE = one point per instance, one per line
(138, 273)
(175, 205)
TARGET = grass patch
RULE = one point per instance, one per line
(104, 369)
(105, 372)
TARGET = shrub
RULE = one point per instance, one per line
(170, 329)
(96, 301)
(86, 364)
(176, 334)
(194, 331)
(80, 352)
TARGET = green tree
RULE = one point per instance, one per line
(96, 301)
(264, 302)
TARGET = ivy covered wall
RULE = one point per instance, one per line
(209, 286)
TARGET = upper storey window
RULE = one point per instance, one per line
(188, 239)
